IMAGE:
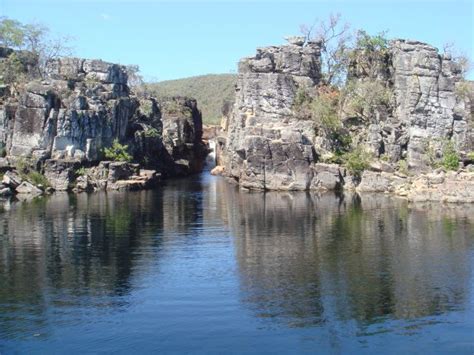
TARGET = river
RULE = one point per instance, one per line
(199, 266)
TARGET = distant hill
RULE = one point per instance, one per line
(211, 91)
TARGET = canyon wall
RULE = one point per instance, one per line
(80, 107)
(267, 146)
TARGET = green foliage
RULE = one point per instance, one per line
(464, 90)
(146, 107)
(27, 172)
(376, 43)
(363, 98)
(36, 178)
(385, 157)
(81, 171)
(35, 39)
(302, 97)
(211, 92)
(152, 133)
(357, 161)
(335, 38)
(403, 167)
(173, 107)
(118, 152)
(324, 109)
(12, 72)
(470, 155)
(12, 33)
(450, 158)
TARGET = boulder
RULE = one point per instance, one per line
(27, 188)
(5, 192)
(12, 179)
(60, 173)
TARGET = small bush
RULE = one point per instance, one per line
(152, 133)
(324, 108)
(146, 107)
(37, 178)
(363, 98)
(403, 167)
(118, 152)
(450, 159)
(81, 171)
(470, 155)
(357, 161)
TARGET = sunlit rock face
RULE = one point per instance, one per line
(268, 148)
(426, 110)
(81, 106)
(77, 110)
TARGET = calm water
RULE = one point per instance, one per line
(198, 266)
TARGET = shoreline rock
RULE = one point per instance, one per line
(436, 186)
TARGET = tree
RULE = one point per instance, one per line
(335, 39)
(117, 152)
(135, 79)
(34, 38)
(461, 59)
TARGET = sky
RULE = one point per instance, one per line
(176, 39)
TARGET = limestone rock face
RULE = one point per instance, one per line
(116, 176)
(456, 187)
(426, 110)
(81, 107)
(424, 84)
(60, 173)
(266, 147)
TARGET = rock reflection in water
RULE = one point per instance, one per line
(199, 264)
(306, 259)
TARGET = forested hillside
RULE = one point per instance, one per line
(210, 91)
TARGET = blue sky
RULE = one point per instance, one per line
(175, 39)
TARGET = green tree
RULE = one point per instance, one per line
(118, 152)
(34, 38)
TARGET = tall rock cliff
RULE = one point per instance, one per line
(269, 147)
(426, 107)
(82, 106)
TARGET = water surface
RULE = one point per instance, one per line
(199, 266)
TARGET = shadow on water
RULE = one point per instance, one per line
(350, 266)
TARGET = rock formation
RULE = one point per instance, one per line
(268, 147)
(426, 110)
(65, 120)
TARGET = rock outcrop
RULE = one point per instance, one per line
(65, 120)
(426, 110)
(268, 147)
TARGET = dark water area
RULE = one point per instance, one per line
(199, 266)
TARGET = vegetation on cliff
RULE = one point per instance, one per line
(355, 90)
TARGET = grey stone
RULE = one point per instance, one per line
(266, 147)
(12, 179)
(27, 188)
(60, 173)
(5, 192)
